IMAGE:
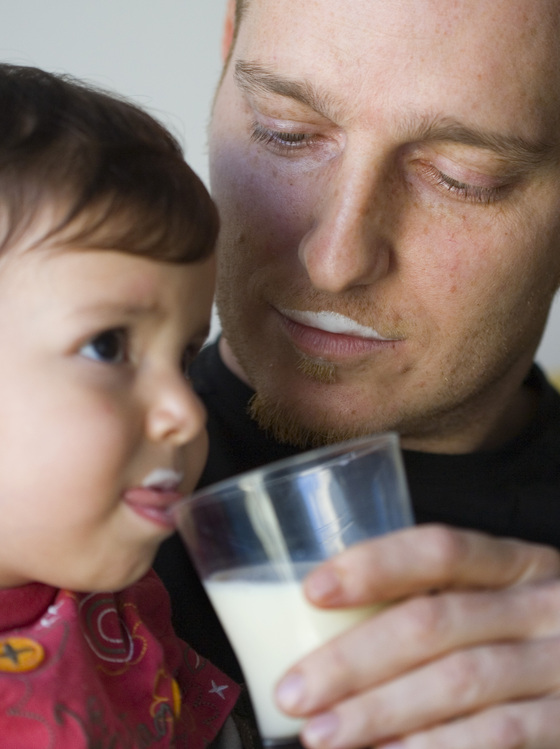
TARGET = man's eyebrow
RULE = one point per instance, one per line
(258, 79)
(517, 150)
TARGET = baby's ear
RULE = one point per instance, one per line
(229, 29)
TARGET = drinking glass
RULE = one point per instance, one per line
(254, 537)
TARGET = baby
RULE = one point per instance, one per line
(106, 285)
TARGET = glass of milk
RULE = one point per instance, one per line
(254, 537)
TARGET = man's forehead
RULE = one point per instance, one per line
(415, 49)
(538, 7)
(525, 15)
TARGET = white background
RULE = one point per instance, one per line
(164, 54)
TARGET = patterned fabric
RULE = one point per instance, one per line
(103, 671)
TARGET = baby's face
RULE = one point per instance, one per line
(99, 429)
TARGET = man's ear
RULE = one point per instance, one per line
(228, 31)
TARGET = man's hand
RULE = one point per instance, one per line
(466, 657)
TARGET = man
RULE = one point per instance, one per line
(388, 178)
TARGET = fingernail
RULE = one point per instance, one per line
(320, 729)
(289, 691)
(322, 584)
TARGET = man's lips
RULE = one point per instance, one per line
(332, 336)
(334, 322)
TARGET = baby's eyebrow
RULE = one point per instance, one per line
(259, 79)
(110, 307)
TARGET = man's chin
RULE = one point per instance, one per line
(285, 426)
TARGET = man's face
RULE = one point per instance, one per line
(389, 189)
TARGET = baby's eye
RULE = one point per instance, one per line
(110, 347)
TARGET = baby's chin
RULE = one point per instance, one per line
(113, 580)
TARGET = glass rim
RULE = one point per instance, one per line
(336, 450)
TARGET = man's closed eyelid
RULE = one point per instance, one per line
(287, 137)
(473, 193)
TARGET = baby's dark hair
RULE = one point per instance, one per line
(110, 175)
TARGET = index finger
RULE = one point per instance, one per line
(426, 558)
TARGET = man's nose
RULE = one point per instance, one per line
(349, 243)
(174, 414)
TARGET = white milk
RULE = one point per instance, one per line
(271, 625)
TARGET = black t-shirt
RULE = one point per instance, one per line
(513, 491)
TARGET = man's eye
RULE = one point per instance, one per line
(282, 141)
(464, 191)
(110, 347)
